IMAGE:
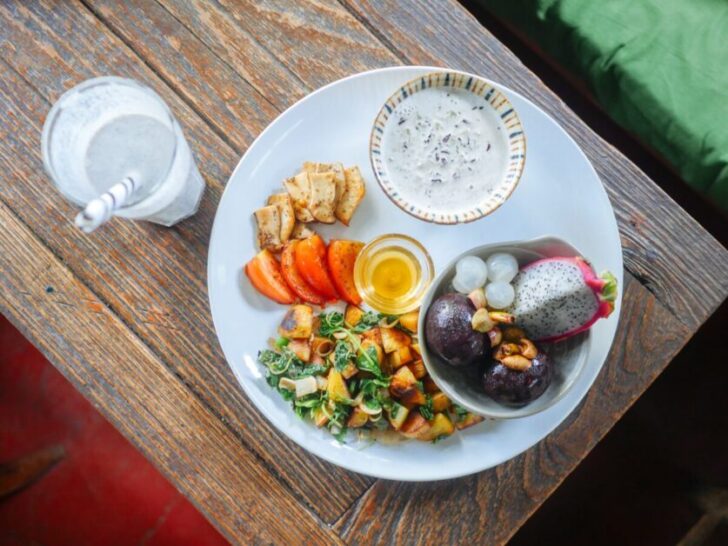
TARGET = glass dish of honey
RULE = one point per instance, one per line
(392, 273)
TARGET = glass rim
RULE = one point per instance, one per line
(422, 256)
(57, 106)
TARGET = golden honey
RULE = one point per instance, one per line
(392, 273)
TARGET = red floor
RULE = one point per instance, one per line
(103, 492)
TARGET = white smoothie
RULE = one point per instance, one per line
(444, 150)
(133, 145)
(107, 129)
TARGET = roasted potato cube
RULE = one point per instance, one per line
(269, 227)
(319, 417)
(336, 387)
(440, 426)
(416, 426)
(374, 334)
(413, 397)
(400, 357)
(353, 315)
(440, 401)
(386, 366)
(402, 382)
(430, 385)
(418, 369)
(416, 348)
(350, 370)
(409, 320)
(299, 188)
(301, 231)
(301, 348)
(318, 359)
(354, 190)
(322, 201)
(282, 201)
(297, 322)
(357, 419)
(393, 339)
(468, 421)
(397, 415)
(367, 344)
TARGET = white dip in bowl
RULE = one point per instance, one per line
(448, 148)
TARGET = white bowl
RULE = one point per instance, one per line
(464, 386)
(503, 117)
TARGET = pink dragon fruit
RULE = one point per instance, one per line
(559, 297)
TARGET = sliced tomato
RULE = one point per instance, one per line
(311, 264)
(264, 273)
(294, 279)
(341, 256)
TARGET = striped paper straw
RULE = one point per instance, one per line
(101, 209)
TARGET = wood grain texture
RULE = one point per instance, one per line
(317, 41)
(144, 273)
(492, 505)
(202, 57)
(664, 247)
(153, 408)
(217, 29)
(233, 107)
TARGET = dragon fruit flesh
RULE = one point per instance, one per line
(559, 297)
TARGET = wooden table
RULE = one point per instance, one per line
(123, 313)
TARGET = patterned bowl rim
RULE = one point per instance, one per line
(496, 100)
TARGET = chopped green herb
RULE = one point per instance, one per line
(342, 354)
(310, 369)
(341, 435)
(286, 394)
(367, 362)
(427, 411)
(331, 323)
(368, 320)
(460, 412)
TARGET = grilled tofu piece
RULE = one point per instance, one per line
(301, 231)
(299, 188)
(323, 197)
(269, 227)
(285, 211)
(352, 195)
(336, 168)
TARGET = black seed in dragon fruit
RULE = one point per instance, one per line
(559, 297)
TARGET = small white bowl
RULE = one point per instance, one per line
(504, 117)
(465, 386)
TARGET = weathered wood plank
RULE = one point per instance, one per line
(240, 50)
(317, 41)
(231, 105)
(291, 58)
(664, 247)
(145, 273)
(143, 398)
(492, 505)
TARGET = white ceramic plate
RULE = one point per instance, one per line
(559, 195)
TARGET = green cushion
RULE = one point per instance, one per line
(658, 67)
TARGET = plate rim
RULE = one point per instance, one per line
(379, 472)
